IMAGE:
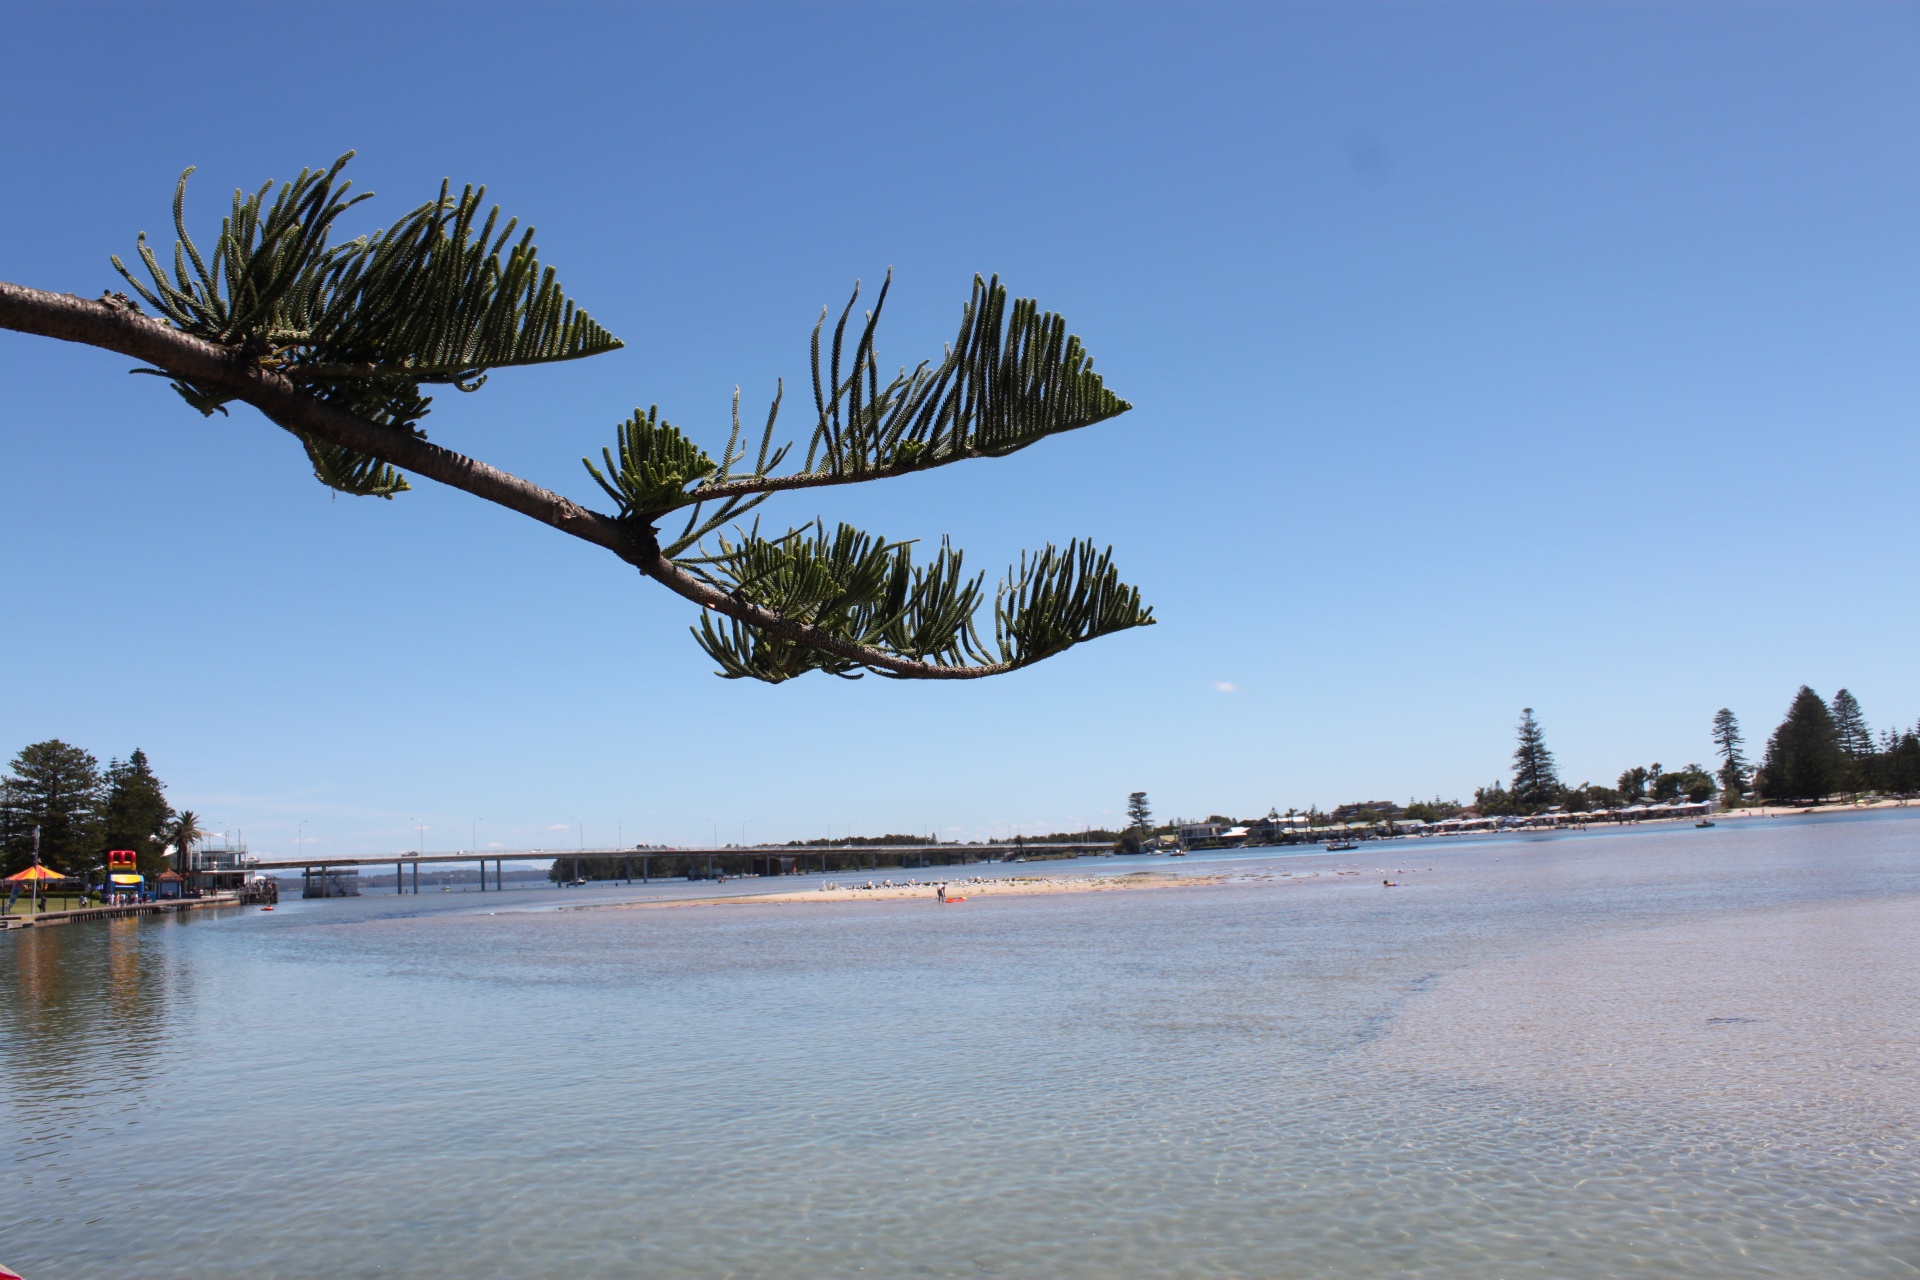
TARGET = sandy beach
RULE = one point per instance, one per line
(1781, 809)
(871, 888)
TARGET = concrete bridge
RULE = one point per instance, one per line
(696, 864)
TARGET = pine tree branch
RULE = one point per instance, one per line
(1012, 376)
(113, 324)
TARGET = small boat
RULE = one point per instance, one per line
(953, 899)
(1342, 848)
(1704, 822)
(1177, 853)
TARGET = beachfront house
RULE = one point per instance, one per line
(1273, 825)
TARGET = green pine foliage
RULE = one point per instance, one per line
(1536, 782)
(83, 811)
(56, 787)
(451, 291)
(1896, 769)
(1012, 376)
(1804, 760)
(655, 466)
(1850, 730)
(1139, 812)
(135, 814)
(1733, 764)
(851, 584)
(439, 298)
(1855, 740)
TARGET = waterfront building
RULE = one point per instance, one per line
(223, 870)
(330, 882)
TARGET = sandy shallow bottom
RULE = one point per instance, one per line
(1799, 1020)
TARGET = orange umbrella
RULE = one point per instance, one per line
(35, 873)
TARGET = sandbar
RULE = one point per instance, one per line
(865, 888)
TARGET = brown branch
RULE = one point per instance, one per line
(747, 486)
(113, 324)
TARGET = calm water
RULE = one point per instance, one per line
(1620, 1054)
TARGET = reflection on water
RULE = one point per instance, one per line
(83, 1001)
(1526, 1062)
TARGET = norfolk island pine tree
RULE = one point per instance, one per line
(1803, 760)
(1536, 781)
(56, 788)
(1139, 812)
(1854, 738)
(335, 342)
(1733, 765)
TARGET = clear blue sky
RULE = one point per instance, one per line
(1485, 357)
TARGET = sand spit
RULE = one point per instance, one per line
(865, 888)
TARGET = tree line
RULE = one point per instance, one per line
(81, 811)
(1818, 750)
(1823, 749)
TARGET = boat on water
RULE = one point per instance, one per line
(1704, 822)
(1342, 848)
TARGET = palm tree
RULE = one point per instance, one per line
(184, 830)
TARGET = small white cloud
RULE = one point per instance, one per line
(561, 826)
(1221, 686)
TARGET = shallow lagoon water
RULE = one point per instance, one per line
(1658, 1051)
